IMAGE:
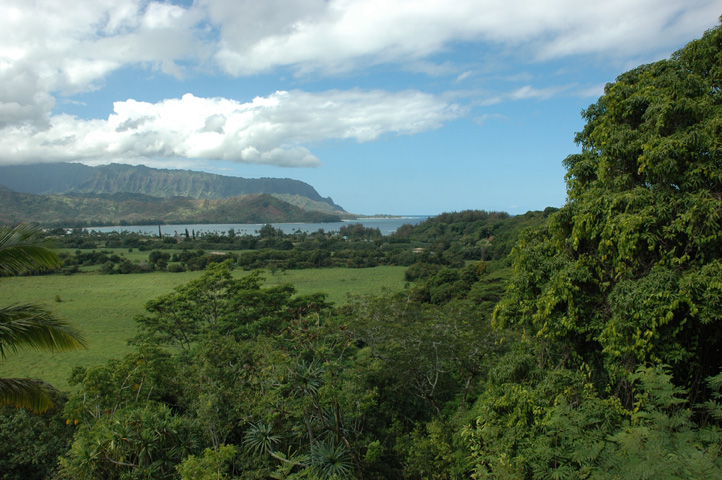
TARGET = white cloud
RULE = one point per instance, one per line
(51, 46)
(594, 91)
(528, 92)
(57, 47)
(623, 29)
(463, 76)
(483, 119)
(344, 34)
(273, 130)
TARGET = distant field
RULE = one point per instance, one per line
(102, 307)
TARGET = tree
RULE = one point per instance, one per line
(180, 317)
(31, 443)
(218, 303)
(24, 249)
(211, 466)
(629, 271)
(136, 443)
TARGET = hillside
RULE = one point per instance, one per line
(474, 234)
(64, 178)
(124, 208)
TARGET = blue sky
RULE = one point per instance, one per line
(393, 106)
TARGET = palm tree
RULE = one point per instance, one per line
(24, 248)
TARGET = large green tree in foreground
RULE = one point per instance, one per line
(22, 249)
(629, 271)
(619, 295)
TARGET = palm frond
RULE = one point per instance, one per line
(29, 325)
(24, 248)
(25, 393)
(260, 438)
(331, 461)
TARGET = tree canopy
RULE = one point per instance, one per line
(629, 271)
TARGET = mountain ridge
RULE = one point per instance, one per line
(72, 178)
(133, 209)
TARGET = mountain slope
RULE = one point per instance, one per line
(124, 208)
(62, 178)
(45, 178)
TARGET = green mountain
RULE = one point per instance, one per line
(65, 178)
(131, 208)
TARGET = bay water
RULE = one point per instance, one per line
(386, 225)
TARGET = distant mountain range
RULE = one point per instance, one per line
(74, 194)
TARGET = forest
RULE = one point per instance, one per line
(579, 342)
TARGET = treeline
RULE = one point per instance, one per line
(447, 240)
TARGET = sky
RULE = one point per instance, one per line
(387, 106)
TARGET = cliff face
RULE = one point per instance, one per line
(125, 208)
(63, 178)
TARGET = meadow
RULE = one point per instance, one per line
(102, 308)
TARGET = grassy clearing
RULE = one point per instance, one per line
(103, 306)
(338, 283)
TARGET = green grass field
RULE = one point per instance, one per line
(102, 308)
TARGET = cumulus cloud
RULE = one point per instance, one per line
(215, 124)
(49, 47)
(274, 130)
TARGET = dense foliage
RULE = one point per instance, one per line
(628, 274)
(629, 271)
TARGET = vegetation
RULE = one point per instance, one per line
(592, 351)
(624, 277)
(30, 442)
